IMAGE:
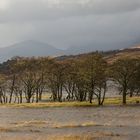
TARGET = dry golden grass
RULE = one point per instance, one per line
(71, 138)
(2, 129)
(113, 58)
(108, 101)
(86, 136)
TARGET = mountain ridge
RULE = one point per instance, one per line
(29, 48)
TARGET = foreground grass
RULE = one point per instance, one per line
(108, 101)
(89, 136)
(93, 136)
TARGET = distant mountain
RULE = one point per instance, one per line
(79, 50)
(97, 47)
(28, 49)
(34, 48)
(110, 56)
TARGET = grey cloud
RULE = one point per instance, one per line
(93, 30)
(100, 23)
(27, 10)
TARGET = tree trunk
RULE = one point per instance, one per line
(103, 99)
(60, 93)
(1, 99)
(40, 96)
(37, 98)
(124, 97)
(28, 100)
(99, 100)
(41, 88)
(20, 94)
(131, 93)
(20, 99)
(104, 93)
(90, 100)
(12, 88)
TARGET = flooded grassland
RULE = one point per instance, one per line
(70, 123)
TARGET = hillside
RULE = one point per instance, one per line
(28, 49)
(133, 52)
(110, 56)
(34, 48)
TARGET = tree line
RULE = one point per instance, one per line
(80, 79)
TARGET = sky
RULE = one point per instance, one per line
(104, 24)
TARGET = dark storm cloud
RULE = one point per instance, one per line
(64, 23)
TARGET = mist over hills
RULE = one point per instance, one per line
(91, 47)
(31, 48)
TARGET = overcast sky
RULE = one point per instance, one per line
(64, 23)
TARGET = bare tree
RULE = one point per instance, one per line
(124, 72)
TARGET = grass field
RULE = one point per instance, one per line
(71, 120)
(108, 101)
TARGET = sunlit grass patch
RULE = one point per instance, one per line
(49, 104)
(116, 101)
(71, 138)
(95, 135)
(108, 101)
(133, 99)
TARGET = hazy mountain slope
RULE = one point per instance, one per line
(34, 48)
(132, 52)
(79, 50)
(110, 56)
(96, 46)
(28, 49)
